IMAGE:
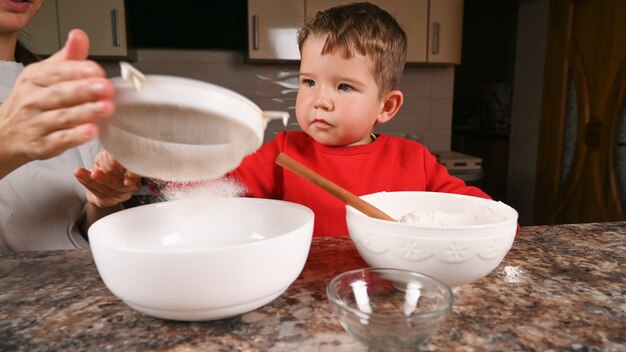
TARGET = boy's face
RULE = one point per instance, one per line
(338, 100)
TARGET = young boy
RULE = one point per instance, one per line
(352, 58)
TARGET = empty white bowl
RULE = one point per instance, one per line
(453, 251)
(202, 259)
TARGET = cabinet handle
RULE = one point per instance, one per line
(435, 49)
(255, 32)
(115, 27)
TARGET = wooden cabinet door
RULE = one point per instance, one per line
(273, 29)
(412, 15)
(103, 20)
(434, 28)
(579, 172)
(445, 31)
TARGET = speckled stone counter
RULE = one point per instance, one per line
(560, 288)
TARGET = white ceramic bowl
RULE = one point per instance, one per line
(202, 259)
(180, 129)
(456, 254)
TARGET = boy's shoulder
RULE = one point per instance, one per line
(400, 140)
(404, 146)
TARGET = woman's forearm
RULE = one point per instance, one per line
(95, 213)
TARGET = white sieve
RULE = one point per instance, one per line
(179, 129)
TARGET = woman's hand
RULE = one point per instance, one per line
(109, 183)
(54, 106)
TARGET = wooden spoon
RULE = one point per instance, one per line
(344, 195)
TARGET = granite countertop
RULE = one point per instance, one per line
(560, 288)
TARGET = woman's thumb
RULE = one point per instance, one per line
(76, 47)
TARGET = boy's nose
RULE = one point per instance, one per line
(323, 103)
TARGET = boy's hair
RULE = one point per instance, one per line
(366, 29)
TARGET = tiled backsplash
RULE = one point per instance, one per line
(426, 114)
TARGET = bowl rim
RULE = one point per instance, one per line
(122, 84)
(335, 300)
(125, 212)
(358, 215)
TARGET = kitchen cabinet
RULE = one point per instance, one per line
(103, 20)
(445, 31)
(273, 29)
(433, 27)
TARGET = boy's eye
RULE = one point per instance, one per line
(344, 87)
(308, 82)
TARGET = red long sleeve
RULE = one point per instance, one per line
(387, 164)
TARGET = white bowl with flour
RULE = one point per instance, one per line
(455, 238)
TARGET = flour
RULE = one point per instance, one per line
(198, 197)
(202, 189)
(477, 216)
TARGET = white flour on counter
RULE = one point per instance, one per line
(477, 216)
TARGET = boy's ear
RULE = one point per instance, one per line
(391, 104)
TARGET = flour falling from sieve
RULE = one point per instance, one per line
(477, 216)
(198, 196)
(202, 189)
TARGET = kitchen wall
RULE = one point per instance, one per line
(526, 110)
(428, 90)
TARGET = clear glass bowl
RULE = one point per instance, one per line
(389, 309)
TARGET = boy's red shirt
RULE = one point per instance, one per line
(387, 164)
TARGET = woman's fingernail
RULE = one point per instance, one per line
(97, 87)
(99, 106)
(88, 130)
(90, 70)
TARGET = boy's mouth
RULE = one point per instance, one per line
(321, 123)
